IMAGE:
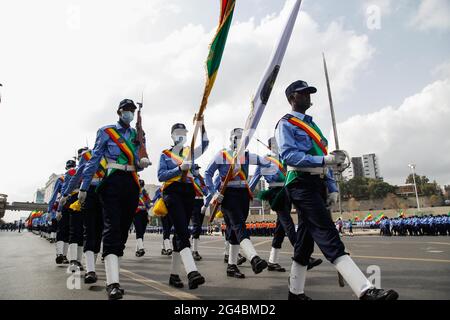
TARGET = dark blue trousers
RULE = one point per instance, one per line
(308, 194)
(197, 218)
(140, 223)
(235, 207)
(119, 196)
(93, 221)
(167, 224)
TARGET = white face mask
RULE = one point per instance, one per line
(179, 139)
(127, 116)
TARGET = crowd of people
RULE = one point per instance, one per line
(12, 226)
(427, 225)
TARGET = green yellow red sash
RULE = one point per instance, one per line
(102, 169)
(312, 132)
(241, 174)
(278, 164)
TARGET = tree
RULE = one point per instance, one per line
(379, 189)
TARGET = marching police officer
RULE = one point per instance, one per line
(235, 203)
(198, 214)
(118, 191)
(141, 219)
(91, 212)
(275, 175)
(75, 219)
(178, 193)
(311, 188)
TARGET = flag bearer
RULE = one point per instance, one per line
(178, 193)
(311, 188)
(118, 191)
(235, 203)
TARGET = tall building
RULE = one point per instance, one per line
(365, 166)
(49, 185)
(39, 196)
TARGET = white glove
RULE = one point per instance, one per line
(335, 158)
(144, 163)
(332, 198)
(62, 201)
(186, 165)
(58, 215)
(82, 196)
(204, 211)
(218, 197)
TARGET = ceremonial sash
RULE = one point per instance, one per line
(281, 169)
(127, 148)
(241, 174)
(179, 160)
(313, 132)
(101, 170)
(320, 144)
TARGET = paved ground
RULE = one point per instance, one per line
(417, 267)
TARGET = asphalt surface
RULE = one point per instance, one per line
(417, 267)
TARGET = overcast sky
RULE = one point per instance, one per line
(65, 66)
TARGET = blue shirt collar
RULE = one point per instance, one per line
(119, 127)
(301, 116)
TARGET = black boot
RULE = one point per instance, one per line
(59, 259)
(114, 292)
(258, 264)
(275, 267)
(164, 252)
(241, 259)
(313, 263)
(140, 253)
(90, 277)
(169, 252)
(75, 266)
(65, 261)
(195, 279)
(233, 271)
(225, 259)
(379, 294)
(175, 281)
(197, 256)
(298, 297)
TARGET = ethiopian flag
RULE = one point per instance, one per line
(368, 218)
(217, 47)
(379, 218)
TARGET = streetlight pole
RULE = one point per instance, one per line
(413, 167)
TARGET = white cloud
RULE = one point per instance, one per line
(61, 84)
(415, 132)
(432, 14)
(386, 6)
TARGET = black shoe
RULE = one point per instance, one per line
(195, 279)
(164, 252)
(241, 259)
(114, 291)
(298, 297)
(225, 259)
(140, 253)
(313, 263)
(233, 271)
(175, 281)
(275, 267)
(379, 294)
(197, 256)
(169, 252)
(258, 264)
(65, 261)
(59, 259)
(90, 277)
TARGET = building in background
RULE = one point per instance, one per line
(49, 185)
(365, 166)
(39, 196)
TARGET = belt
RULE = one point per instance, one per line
(237, 184)
(123, 167)
(312, 171)
(96, 180)
(199, 198)
(276, 184)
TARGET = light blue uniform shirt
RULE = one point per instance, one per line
(271, 174)
(294, 143)
(106, 147)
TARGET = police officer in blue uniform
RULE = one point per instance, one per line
(75, 220)
(311, 188)
(235, 203)
(91, 212)
(178, 193)
(118, 191)
(62, 215)
(275, 175)
(141, 219)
